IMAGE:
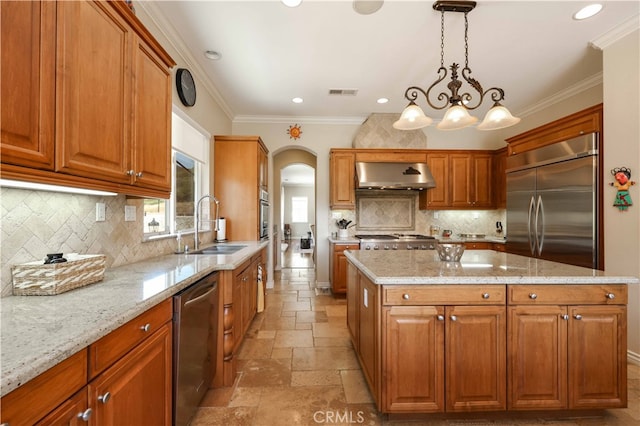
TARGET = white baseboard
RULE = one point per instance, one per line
(633, 358)
(323, 284)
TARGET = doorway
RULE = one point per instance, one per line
(295, 209)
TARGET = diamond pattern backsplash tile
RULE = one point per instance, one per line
(34, 223)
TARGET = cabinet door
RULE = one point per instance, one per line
(475, 358)
(461, 179)
(500, 179)
(482, 184)
(73, 412)
(352, 303)
(238, 330)
(152, 120)
(367, 330)
(342, 181)
(93, 85)
(27, 83)
(439, 196)
(537, 370)
(413, 366)
(137, 389)
(597, 356)
(339, 263)
(263, 164)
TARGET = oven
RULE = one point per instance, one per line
(263, 223)
(397, 242)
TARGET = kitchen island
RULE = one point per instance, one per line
(494, 332)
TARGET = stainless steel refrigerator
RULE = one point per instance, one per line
(552, 202)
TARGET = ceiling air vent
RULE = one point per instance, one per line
(343, 92)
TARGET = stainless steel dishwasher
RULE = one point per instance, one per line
(195, 320)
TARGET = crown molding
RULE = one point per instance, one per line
(280, 119)
(173, 38)
(562, 95)
(625, 28)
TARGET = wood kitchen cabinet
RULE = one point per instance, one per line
(338, 266)
(500, 178)
(433, 349)
(240, 172)
(123, 378)
(478, 245)
(438, 197)
(567, 347)
(65, 136)
(342, 175)
(368, 330)
(28, 83)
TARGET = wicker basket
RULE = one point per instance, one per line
(38, 279)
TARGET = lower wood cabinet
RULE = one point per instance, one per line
(338, 266)
(123, 378)
(567, 356)
(480, 348)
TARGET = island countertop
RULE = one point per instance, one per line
(38, 332)
(475, 267)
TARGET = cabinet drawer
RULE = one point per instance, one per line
(445, 295)
(33, 400)
(114, 345)
(342, 247)
(600, 294)
(482, 245)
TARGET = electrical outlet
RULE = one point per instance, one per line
(436, 215)
(129, 213)
(101, 212)
(336, 215)
(476, 215)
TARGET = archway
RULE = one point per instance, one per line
(290, 166)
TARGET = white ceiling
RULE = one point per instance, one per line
(272, 53)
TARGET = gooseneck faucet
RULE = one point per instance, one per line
(196, 238)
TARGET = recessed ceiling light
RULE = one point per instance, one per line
(587, 11)
(213, 55)
(296, 100)
(291, 3)
(382, 100)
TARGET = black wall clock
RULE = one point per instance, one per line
(186, 87)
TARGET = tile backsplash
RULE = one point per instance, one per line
(34, 223)
(389, 214)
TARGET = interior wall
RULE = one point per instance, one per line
(298, 230)
(622, 136)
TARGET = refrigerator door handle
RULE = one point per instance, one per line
(530, 225)
(539, 225)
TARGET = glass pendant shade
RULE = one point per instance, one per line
(498, 117)
(412, 118)
(456, 117)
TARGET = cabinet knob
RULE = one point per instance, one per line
(485, 295)
(440, 317)
(85, 415)
(104, 398)
(610, 296)
(145, 327)
(578, 317)
(454, 318)
(405, 296)
(533, 296)
(565, 317)
(139, 174)
(131, 172)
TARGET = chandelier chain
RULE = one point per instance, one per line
(442, 39)
(466, 40)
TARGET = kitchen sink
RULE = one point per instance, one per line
(222, 249)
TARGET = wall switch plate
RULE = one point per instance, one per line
(129, 213)
(101, 212)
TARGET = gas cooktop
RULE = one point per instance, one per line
(394, 237)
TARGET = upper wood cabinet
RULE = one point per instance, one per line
(438, 197)
(342, 184)
(240, 171)
(28, 83)
(98, 109)
(500, 178)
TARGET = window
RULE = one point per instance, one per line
(190, 181)
(299, 212)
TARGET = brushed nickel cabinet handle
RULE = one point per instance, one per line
(145, 327)
(131, 172)
(454, 318)
(578, 317)
(533, 296)
(565, 317)
(485, 295)
(139, 174)
(405, 296)
(440, 317)
(85, 415)
(104, 398)
(610, 296)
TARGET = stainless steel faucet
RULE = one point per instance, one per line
(196, 238)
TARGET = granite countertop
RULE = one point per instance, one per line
(348, 240)
(488, 239)
(38, 332)
(475, 267)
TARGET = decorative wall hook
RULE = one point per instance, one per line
(623, 182)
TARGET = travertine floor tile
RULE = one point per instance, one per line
(265, 372)
(293, 339)
(355, 387)
(325, 358)
(296, 306)
(255, 348)
(282, 353)
(329, 330)
(246, 397)
(231, 416)
(311, 316)
(336, 310)
(316, 378)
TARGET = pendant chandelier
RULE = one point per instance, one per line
(459, 104)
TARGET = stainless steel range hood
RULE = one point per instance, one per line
(394, 176)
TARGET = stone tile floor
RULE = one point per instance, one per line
(297, 367)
